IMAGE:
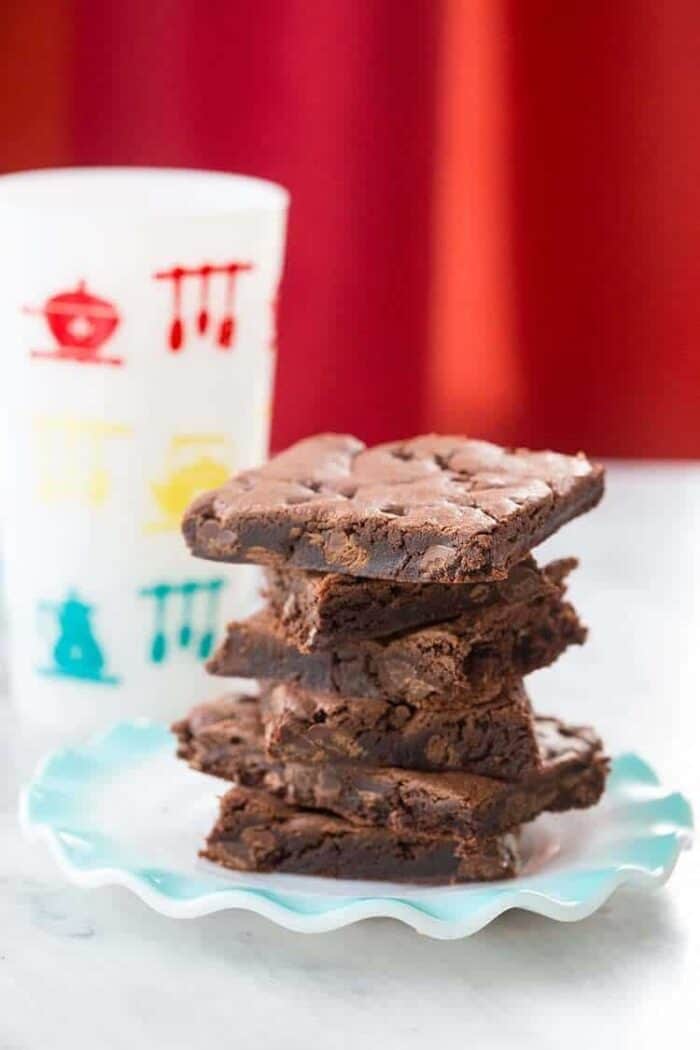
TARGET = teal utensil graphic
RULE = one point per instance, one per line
(159, 643)
(183, 603)
(76, 652)
(122, 810)
(188, 592)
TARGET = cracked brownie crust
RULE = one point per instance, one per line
(495, 739)
(443, 509)
(466, 658)
(216, 738)
(258, 832)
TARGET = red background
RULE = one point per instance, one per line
(495, 204)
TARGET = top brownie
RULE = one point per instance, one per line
(446, 509)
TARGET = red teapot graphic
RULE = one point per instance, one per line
(81, 323)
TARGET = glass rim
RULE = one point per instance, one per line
(142, 192)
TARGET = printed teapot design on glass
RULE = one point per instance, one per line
(193, 464)
(80, 323)
(75, 649)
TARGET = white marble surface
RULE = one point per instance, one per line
(82, 970)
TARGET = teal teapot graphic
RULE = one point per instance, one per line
(76, 652)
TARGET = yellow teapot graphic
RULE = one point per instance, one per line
(193, 464)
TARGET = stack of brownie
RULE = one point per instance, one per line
(392, 737)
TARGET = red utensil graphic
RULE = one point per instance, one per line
(227, 325)
(224, 333)
(203, 315)
(81, 323)
(176, 326)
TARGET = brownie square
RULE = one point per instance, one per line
(226, 738)
(258, 832)
(495, 739)
(466, 658)
(322, 610)
(443, 509)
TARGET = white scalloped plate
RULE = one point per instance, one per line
(121, 810)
